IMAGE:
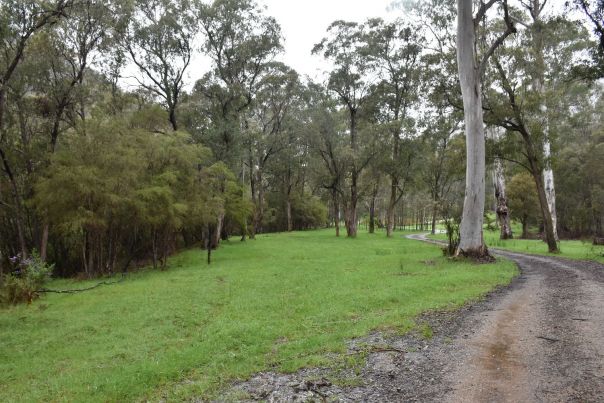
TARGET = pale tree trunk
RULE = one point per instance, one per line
(536, 8)
(216, 235)
(502, 210)
(471, 242)
(434, 213)
(548, 182)
(501, 207)
(259, 211)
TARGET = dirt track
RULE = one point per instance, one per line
(539, 340)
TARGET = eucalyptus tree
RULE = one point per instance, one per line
(326, 131)
(393, 51)
(159, 40)
(351, 81)
(20, 21)
(267, 132)
(441, 156)
(594, 11)
(531, 76)
(523, 200)
(241, 41)
(471, 69)
(502, 209)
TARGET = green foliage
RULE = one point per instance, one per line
(23, 284)
(523, 200)
(308, 212)
(280, 303)
(127, 192)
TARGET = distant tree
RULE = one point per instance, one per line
(327, 141)
(526, 99)
(350, 81)
(20, 20)
(393, 50)
(241, 42)
(266, 132)
(523, 200)
(159, 41)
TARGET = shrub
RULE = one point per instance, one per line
(23, 284)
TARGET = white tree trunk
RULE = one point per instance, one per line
(536, 8)
(501, 201)
(471, 242)
(548, 182)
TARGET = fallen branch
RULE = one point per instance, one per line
(73, 291)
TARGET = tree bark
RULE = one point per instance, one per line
(471, 242)
(501, 202)
(536, 8)
(336, 210)
(502, 210)
(351, 227)
(545, 213)
(372, 213)
(391, 206)
(288, 208)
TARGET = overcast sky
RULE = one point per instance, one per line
(304, 23)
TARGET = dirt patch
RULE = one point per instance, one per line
(539, 339)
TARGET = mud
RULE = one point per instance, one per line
(541, 339)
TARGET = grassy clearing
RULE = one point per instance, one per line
(571, 249)
(280, 302)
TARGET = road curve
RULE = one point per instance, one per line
(541, 341)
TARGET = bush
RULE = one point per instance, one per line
(23, 284)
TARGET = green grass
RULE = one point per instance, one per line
(571, 249)
(281, 302)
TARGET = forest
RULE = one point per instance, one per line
(99, 177)
(189, 213)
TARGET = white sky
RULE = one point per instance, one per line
(304, 23)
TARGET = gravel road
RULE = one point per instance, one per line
(541, 339)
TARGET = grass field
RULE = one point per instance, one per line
(571, 249)
(280, 302)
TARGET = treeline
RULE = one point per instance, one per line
(98, 175)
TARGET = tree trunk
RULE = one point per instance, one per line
(434, 213)
(336, 211)
(372, 214)
(154, 249)
(391, 206)
(288, 208)
(545, 214)
(351, 227)
(539, 85)
(548, 183)
(259, 216)
(44, 242)
(217, 232)
(471, 242)
(502, 210)
(172, 117)
(525, 227)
